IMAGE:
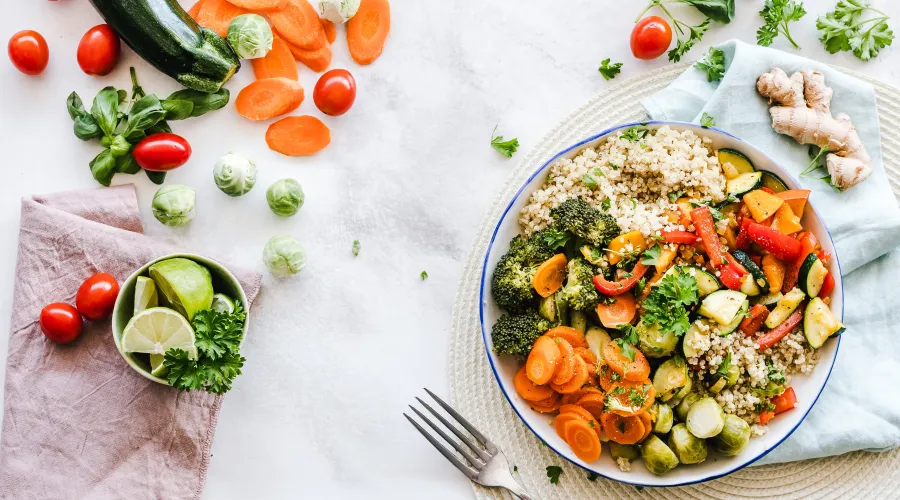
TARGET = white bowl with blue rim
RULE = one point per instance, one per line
(807, 386)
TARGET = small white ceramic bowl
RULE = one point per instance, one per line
(807, 387)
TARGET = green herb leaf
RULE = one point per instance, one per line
(589, 179)
(605, 204)
(725, 366)
(424, 275)
(844, 29)
(105, 110)
(506, 148)
(156, 177)
(183, 372)
(126, 164)
(145, 113)
(668, 303)
(713, 63)
(554, 238)
(218, 333)
(609, 71)
(119, 147)
(776, 15)
(651, 256)
(355, 248)
(683, 46)
(592, 477)
(103, 167)
(635, 134)
(86, 128)
(203, 102)
(553, 472)
(74, 106)
(720, 11)
(177, 110)
(707, 120)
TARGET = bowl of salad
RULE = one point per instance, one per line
(180, 320)
(661, 304)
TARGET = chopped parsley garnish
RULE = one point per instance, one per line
(554, 238)
(590, 178)
(609, 71)
(553, 472)
(673, 196)
(774, 375)
(667, 305)
(639, 287)
(725, 366)
(515, 468)
(628, 340)
(713, 63)
(424, 275)
(651, 256)
(355, 248)
(506, 148)
(707, 120)
(592, 477)
(605, 204)
(634, 134)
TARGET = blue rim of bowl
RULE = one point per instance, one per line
(484, 274)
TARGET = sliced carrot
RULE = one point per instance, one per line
(576, 410)
(542, 360)
(648, 424)
(622, 430)
(368, 30)
(528, 389)
(619, 311)
(572, 336)
(278, 63)
(548, 405)
(565, 369)
(577, 381)
(607, 377)
(562, 419)
(217, 15)
(573, 397)
(329, 29)
(550, 275)
(630, 398)
(317, 59)
(268, 98)
(258, 4)
(583, 439)
(587, 355)
(298, 135)
(636, 370)
(298, 23)
(195, 10)
(593, 403)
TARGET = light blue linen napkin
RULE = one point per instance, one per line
(858, 409)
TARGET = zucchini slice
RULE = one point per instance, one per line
(773, 182)
(726, 330)
(758, 276)
(770, 299)
(707, 283)
(819, 323)
(740, 163)
(788, 303)
(748, 286)
(812, 275)
(743, 183)
(722, 305)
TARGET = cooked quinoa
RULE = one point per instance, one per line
(632, 180)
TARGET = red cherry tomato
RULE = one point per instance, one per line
(61, 323)
(650, 37)
(162, 152)
(28, 52)
(97, 296)
(335, 92)
(98, 50)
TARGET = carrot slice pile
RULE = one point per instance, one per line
(528, 389)
(268, 98)
(565, 369)
(622, 430)
(298, 23)
(317, 59)
(574, 337)
(593, 403)
(579, 378)
(548, 405)
(330, 30)
(258, 4)
(301, 136)
(368, 30)
(217, 15)
(583, 439)
(542, 360)
(278, 63)
(574, 397)
(636, 370)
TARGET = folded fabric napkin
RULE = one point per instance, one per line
(78, 422)
(855, 411)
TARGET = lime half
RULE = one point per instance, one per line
(157, 369)
(184, 284)
(156, 330)
(222, 303)
(145, 295)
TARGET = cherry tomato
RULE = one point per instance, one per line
(97, 296)
(650, 37)
(98, 50)
(335, 92)
(61, 323)
(162, 152)
(28, 52)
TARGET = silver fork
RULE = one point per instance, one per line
(485, 464)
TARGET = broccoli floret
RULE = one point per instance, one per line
(515, 334)
(579, 292)
(585, 221)
(511, 284)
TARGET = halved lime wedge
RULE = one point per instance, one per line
(145, 295)
(156, 330)
(157, 369)
(222, 303)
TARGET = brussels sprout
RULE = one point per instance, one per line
(234, 174)
(664, 418)
(681, 411)
(653, 343)
(658, 458)
(670, 377)
(628, 451)
(284, 256)
(684, 391)
(688, 448)
(578, 321)
(596, 338)
(547, 308)
(734, 437)
(285, 197)
(338, 11)
(174, 205)
(705, 419)
(250, 36)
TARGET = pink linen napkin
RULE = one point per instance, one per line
(78, 422)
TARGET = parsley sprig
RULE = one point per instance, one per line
(506, 148)
(707, 120)
(776, 15)
(713, 63)
(720, 11)
(218, 338)
(609, 71)
(667, 305)
(845, 29)
(553, 472)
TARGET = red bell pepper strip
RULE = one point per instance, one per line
(765, 416)
(785, 401)
(767, 190)
(827, 286)
(730, 277)
(706, 229)
(778, 244)
(743, 239)
(737, 266)
(824, 256)
(772, 337)
(757, 316)
(613, 288)
(808, 244)
(685, 237)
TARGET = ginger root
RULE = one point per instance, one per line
(803, 111)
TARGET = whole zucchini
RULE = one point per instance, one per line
(162, 33)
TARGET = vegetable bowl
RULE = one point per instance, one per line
(177, 295)
(661, 304)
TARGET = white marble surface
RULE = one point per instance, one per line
(335, 355)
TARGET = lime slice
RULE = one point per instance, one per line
(222, 303)
(156, 330)
(145, 295)
(156, 365)
(184, 284)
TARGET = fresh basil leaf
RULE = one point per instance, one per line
(145, 113)
(86, 128)
(105, 110)
(103, 167)
(127, 165)
(720, 11)
(203, 102)
(177, 110)
(156, 177)
(74, 106)
(119, 146)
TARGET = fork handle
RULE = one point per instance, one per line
(514, 487)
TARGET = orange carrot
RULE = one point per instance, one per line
(751, 325)
(587, 355)
(528, 389)
(576, 410)
(565, 369)
(217, 15)
(583, 439)
(330, 30)
(258, 4)
(548, 405)
(298, 23)
(622, 430)
(593, 403)
(619, 311)
(648, 424)
(368, 30)
(576, 382)
(278, 63)
(562, 419)
(550, 275)
(542, 360)
(607, 377)
(572, 336)
(298, 136)
(317, 59)
(195, 10)
(573, 397)
(268, 98)
(636, 370)
(630, 398)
